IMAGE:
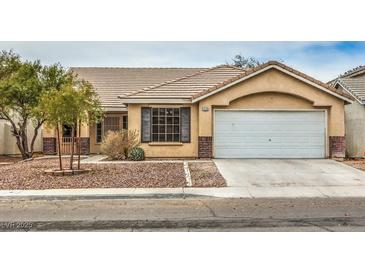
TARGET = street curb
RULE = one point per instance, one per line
(324, 223)
(183, 192)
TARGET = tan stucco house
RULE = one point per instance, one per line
(353, 83)
(271, 111)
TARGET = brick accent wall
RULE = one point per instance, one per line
(337, 146)
(49, 145)
(205, 147)
(85, 145)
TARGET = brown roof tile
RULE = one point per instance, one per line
(205, 81)
(113, 82)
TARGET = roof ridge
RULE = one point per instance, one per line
(235, 67)
(353, 71)
(80, 67)
(174, 80)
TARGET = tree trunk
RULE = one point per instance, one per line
(35, 137)
(20, 133)
(72, 146)
(79, 147)
(17, 133)
(19, 144)
(59, 146)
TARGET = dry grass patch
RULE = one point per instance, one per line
(205, 174)
(30, 175)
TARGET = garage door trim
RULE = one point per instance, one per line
(326, 150)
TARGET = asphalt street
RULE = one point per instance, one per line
(192, 214)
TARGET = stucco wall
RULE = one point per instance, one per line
(298, 95)
(86, 131)
(269, 90)
(166, 149)
(355, 129)
(8, 142)
(94, 146)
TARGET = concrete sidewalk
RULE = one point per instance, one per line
(224, 192)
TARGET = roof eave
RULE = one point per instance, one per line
(197, 99)
(144, 100)
(345, 88)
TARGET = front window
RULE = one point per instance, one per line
(67, 131)
(112, 123)
(98, 132)
(165, 124)
(125, 122)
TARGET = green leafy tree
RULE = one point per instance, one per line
(20, 88)
(53, 109)
(245, 62)
(76, 103)
(22, 84)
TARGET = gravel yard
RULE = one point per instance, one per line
(30, 175)
(9, 159)
(206, 174)
(356, 163)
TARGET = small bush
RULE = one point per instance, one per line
(137, 154)
(118, 144)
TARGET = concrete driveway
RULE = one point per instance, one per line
(288, 173)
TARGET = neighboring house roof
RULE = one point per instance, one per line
(354, 72)
(207, 82)
(113, 82)
(353, 82)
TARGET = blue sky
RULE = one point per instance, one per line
(322, 60)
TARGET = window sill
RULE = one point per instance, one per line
(165, 144)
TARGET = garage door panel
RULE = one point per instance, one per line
(274, 134)
(269, 127)
(292, 140)
(263, 153)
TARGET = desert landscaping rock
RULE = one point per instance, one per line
(205, 174)
(66, 172)
(356, 163)
(31, 175)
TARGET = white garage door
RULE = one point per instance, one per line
(269, 134)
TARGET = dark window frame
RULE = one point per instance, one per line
(100, 127)
(99, 135)
(125, 122)
(165, 124)
(68, 129)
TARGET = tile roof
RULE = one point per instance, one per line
(188, 86)
(209, 80)
(113, 82)
(356, 86)
(353, 72)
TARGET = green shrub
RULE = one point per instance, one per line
(137, 154)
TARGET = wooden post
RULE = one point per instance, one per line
(79, 147)
(59, 146)
(72, 146)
